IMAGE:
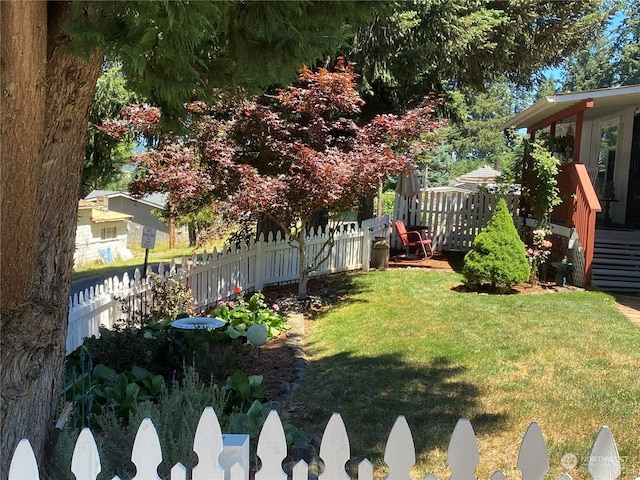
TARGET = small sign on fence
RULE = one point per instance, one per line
(148, 237)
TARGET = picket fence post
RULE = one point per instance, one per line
(218, 460)
(23, 464)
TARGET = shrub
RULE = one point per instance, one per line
(241, 314)
(498, 256)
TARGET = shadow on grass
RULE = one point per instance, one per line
(371, 392)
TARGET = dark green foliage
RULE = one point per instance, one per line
(171, 50)
(122, 348)
(106, 155)
(498, 255)
(413, 47)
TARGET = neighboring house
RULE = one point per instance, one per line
(101, 234)
(596, 134)
(142, 211)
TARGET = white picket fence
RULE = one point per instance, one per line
(219, 459)
(453, 218)
(215, 276)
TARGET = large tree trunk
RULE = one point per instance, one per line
(46, 101)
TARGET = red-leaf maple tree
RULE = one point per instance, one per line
(287, 156)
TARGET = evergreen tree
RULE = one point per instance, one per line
(627, 45)
(105, 154)
(476, 137)
(498, 255)
(610, 59)
(414, 47)
(590, 68)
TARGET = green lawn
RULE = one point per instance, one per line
(407, 342)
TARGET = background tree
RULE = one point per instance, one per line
(476, 136)
(415, 47)
(52, 53)
(590, 68)
(105, 154)
(609, 59)
(627, 44)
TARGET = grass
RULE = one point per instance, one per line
(408, 342)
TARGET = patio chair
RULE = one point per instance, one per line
(414, 238)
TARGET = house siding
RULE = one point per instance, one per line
(89, 244)
(143, 217)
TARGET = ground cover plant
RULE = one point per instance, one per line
(412, 342)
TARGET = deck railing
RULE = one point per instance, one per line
(579, 208)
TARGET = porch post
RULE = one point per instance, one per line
(577, 139)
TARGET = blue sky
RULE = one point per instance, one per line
(558, 72)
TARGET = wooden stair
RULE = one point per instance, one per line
(616, 261)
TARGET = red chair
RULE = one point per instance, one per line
(414, 238)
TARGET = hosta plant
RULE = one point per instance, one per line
(241, 314)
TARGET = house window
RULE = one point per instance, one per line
(607, 160)
(107, 232)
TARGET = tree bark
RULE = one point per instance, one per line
(365, 210)
(46, 100)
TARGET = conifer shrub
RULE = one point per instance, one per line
(498, 256)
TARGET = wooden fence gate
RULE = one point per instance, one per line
(454, 218)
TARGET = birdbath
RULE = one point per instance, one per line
(562, 270)
(198, 323)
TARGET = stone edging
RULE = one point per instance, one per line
(294, 341)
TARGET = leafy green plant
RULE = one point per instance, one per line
(102, 388)
(122, 347)
(498, 256)
(241, 314)
(541, 190)
(244, 389)
(175, 415)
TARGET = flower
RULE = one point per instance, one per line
(538, 252)
(237, 290)
(275, 307)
